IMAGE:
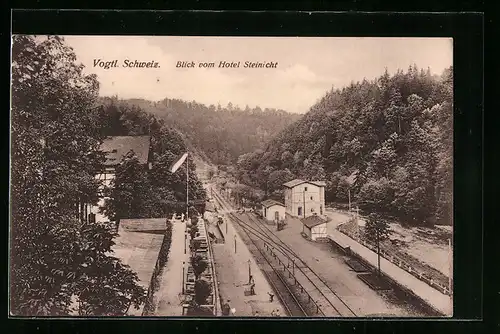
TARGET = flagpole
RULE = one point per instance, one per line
(187, 187)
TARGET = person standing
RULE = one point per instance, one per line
(226, 308)
(271, 297)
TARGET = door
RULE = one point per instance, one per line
(299, 211)
(276, 216)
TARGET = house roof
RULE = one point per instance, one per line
(293, 183)
(270, 202)
(313, 221)
(318, 183)
(118, 146)
(296, 182)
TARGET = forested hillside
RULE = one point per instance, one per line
(389, 140)
(221, 133)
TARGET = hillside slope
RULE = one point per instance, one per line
(222, 134)
(389, 140)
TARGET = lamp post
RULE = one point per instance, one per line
(249, 272)
(183, 264)
(235, 244)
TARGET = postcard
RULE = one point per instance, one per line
(263, 177)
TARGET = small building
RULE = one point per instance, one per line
(304, 198)
(273, 210)
(314, 227)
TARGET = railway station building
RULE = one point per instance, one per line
(314, 227)
(304, 198)
(273, 210)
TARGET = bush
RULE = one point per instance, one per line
(202, 290)
(199, 265)
(193, 230)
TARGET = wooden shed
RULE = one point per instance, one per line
(314, 227)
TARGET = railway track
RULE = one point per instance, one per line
(274, 276)
(334, 300)
(327, 302)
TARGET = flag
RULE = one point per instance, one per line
(175, 166)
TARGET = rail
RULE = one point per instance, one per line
(285, 246)
(275, 288)
(215, 284)
(247, 228)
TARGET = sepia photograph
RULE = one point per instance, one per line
(259, 177)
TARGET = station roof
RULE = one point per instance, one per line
(313, 221)
(270, 202)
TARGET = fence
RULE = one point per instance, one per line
(215, 284)
(398, 262)
(187, 308)
(149, 305)
(291, 274)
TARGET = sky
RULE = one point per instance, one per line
(306, 67)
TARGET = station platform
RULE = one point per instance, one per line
(232, 268)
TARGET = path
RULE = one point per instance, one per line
(169, 297)
(330, 265)
(433, 297)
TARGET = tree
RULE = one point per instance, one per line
(112, 289)
(130, 194)
(199, 265)
(376, 231)
(55, 154)
(202, 291)
(193, 230)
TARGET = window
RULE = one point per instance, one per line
(321, 209)
(311, 198)
(305, 188)
(312, 209)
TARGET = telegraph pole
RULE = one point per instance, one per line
(304, 200)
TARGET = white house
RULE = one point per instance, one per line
(304, 198)
(116, 148)
(273, 210)
(314, 227)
